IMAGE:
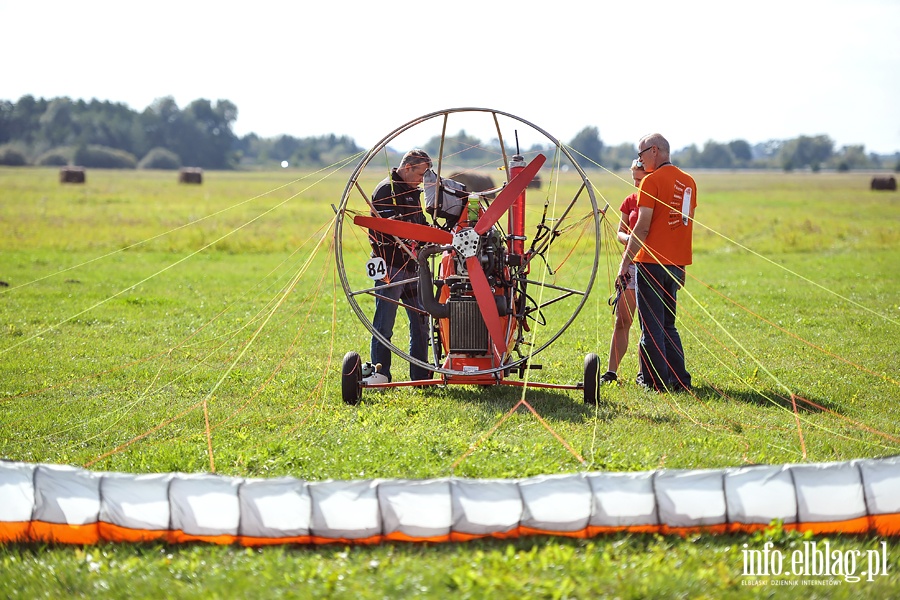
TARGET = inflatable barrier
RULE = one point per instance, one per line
(68, 505)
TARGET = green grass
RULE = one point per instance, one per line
(134, 302)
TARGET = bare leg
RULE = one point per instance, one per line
(624, 318)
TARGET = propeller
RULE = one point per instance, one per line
(486, 303)
(508, 195)
(480, 285)
(405, 229)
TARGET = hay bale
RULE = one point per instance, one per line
(72, 175)
(190, 175)
(884, 183)
(474, 182)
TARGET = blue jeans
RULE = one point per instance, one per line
(386, 299)
(661, 354)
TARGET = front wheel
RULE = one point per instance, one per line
(351, 378)
(591, 379)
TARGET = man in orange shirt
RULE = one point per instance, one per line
(661, 246)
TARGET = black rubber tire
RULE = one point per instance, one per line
(591, 379)
(351, 377)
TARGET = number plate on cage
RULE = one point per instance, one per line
(376, 268)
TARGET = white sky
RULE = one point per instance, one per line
(694, 70)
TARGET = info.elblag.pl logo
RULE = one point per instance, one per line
(813, 559)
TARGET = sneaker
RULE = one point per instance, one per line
(609, 377)
(676, 386)
(646, 384)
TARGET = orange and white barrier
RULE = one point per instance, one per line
(60, 504)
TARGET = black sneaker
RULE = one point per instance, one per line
(676, 386)
(608, 377)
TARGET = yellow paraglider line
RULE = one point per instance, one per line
(278, 304)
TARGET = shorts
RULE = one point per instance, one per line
(632, 277)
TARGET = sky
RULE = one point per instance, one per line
(693, 70)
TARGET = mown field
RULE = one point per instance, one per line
(134, 309)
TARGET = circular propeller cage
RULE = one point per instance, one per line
(541, 263)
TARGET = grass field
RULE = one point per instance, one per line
(132, 306)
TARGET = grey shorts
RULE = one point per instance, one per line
(632, 277)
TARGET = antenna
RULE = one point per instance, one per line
(517, 141)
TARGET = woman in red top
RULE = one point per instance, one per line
(626, 303)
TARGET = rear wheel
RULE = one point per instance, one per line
(591, 379)
(351, 378)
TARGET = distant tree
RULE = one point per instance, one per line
(716, 156)
(55, 157)
(12, 156)
(587, 143)
(618, 157)
(852, 157)
(108, 124)
(309, 151)
(24, 122)
(160, 158)
(512, 148)
(6, 116)
(160, 123)
(202, 135)
(688, 157)
(806, 151)
(307, 154)
(56, 123)
(102, 157)
(741, 151)
(534, 148)
(876, 161)
(460, 148)
(205, 138)
(284, 147)
(334, 148)
(247, 148)
(766, 153)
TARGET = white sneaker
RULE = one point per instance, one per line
(375, 377)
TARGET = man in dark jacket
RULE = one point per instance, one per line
(398, 197)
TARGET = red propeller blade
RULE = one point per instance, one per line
(508, 195)
(404, 229)
(487, 304)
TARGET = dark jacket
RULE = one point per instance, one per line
(395, 199)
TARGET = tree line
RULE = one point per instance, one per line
(61, 131)
(804, 152)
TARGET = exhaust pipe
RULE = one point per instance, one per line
(426, 285)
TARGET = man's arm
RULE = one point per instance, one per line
(383, 201)
(636, 241)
